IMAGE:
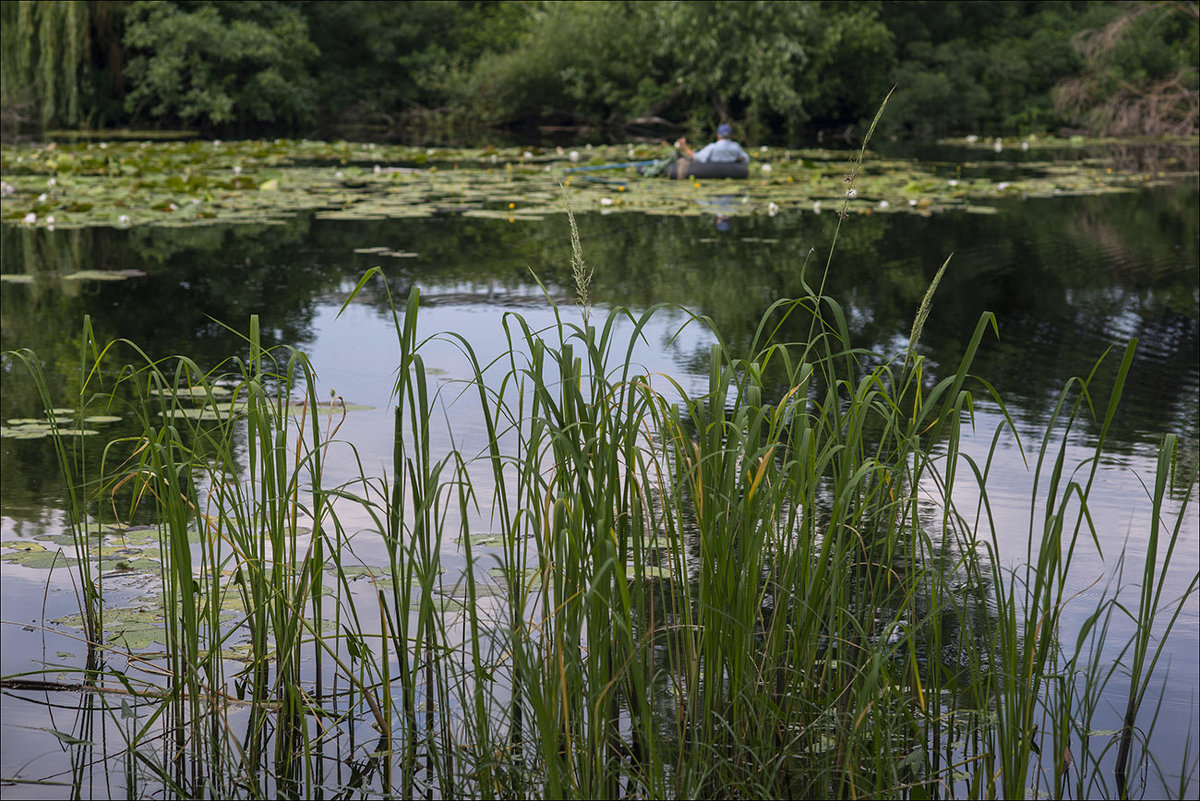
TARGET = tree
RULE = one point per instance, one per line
(44, 59)
(385, 61)
(221, 64)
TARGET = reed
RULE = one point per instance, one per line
(768, 588)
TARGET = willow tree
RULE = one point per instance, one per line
(44, 47)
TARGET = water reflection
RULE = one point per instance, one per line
(1067, 278)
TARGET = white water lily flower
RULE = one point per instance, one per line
(216, 143)
(338, 175)
(766, 168)
(606, 201)
(912, 201)
(31, 218)
(103, 145)
(762, 149)
(997, 145)
(429, 152)
(574, 155)
(816, 207)
(123, 219)
(527, 155)
(1002, 185)
(952, 182)
(972, 139)
(772, 208)
(883, 204)
(1024, 145)
(6, 188)
(50, 220)
(42, 197)
(378, 169)
(52, 182)
(237, 170)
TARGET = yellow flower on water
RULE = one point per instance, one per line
(622, 189)
(697, 184)
(512, 205)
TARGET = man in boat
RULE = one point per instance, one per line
(723, 158)
(722, 150)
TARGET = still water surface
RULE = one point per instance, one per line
(1068, 279)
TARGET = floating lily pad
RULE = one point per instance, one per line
(532, 577)
(657, 542)
(299, 407)
(216, 391)
(134, 628)
(102, 418)
(128, 184)
(490, 539)
(22, 546)
(25, 432)
(648, 572)
(483, 589)
(209, 412)
(95, 275)
(36, 556)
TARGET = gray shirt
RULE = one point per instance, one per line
(722, 150)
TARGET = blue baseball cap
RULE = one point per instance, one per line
(724, 129)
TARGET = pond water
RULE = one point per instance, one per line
(1068, 279)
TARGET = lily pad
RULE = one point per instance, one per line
(134, 628)
(142, 183)
(25, 432)
(95, 275)
(648, 572)
(36, 556)
(532, 577)
(488, 539)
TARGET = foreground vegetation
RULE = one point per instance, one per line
(770, 587)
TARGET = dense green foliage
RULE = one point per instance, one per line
(785, 72)
(220, 63)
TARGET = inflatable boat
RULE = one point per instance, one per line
(685, 168)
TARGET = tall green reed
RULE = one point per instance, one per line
(753, 590)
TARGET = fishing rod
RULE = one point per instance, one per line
(622, 165)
